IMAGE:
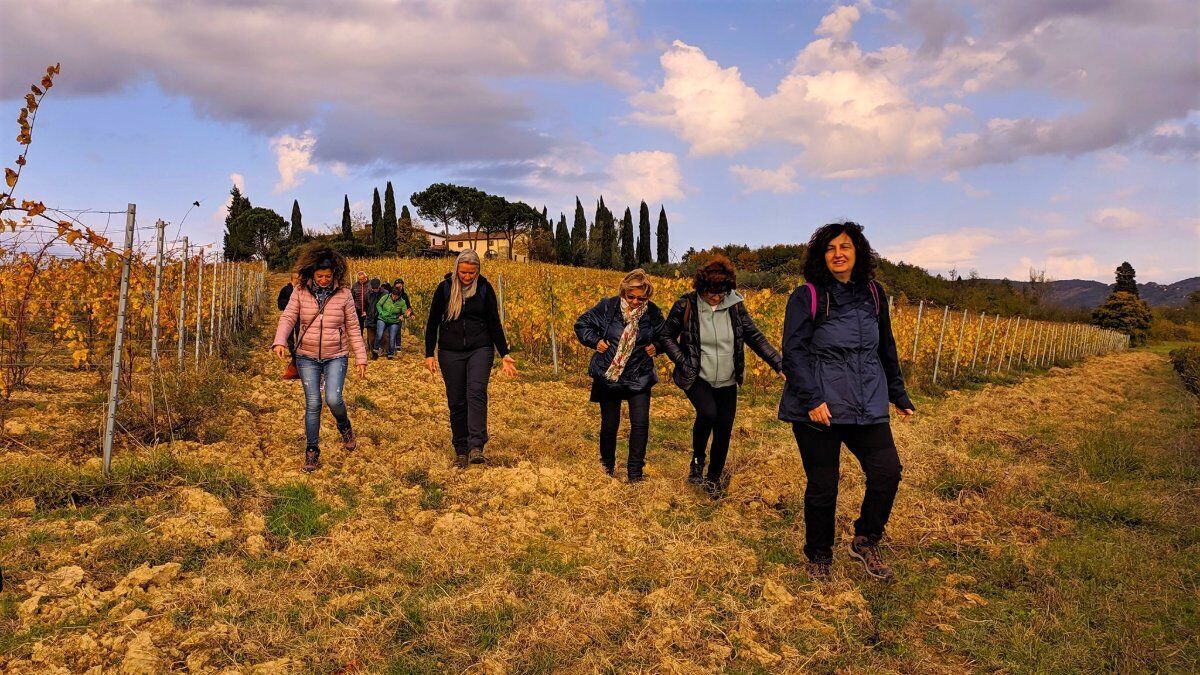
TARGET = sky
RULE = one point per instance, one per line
(998, 137)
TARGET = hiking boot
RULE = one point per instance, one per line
(312, 459)
(714, 489)
(476, 456)
(349, 443)
(460, 461)
(634, 477)
(609, 469)
(390, 357)
(374, 354)
(696, 471)
(820, 571)
(863, 550)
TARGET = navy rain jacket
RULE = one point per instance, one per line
(845, 357)
(604, 322)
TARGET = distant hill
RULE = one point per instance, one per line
(1083, 294)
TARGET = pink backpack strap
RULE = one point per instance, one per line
(874, 294)
(812, 300)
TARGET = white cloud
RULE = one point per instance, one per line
(652, 175)
(837, 24)
(1061, 267)
(780, 181)
(293, 157)
(218, 216)
(1119, 218)
(939, 252)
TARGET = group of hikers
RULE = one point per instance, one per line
(838, 364)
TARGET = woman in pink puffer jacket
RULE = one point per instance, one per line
(329, 329)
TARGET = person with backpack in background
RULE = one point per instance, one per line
(705, 335)
(622, 330)
(323, 308)
(389, 312)
(842, 370)
(399, 284)
(375, 291)
(464, 327)
(285, 295)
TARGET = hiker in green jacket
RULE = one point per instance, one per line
(390, 311)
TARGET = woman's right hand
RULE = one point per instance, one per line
(431, 365)
(602, 346)
(280, 351)
(820, 414)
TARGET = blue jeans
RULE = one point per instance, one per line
(392, 333)
(334, 371)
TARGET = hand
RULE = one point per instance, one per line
(361, 369)
(651, 351)
(820, 414)
(905, 413)
(782, 375)
(281, 352)
(602, 346)
(431, 365)
(508, 365)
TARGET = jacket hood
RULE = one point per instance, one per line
(731, 299)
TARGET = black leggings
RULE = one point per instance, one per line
(820, 450)
(715, 410)
(639, 431)
(466, 375)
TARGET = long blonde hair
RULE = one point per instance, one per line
(458, 292)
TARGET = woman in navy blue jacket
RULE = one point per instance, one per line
(842, 370)
(622, 330)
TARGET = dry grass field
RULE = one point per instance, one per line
(1047, 524)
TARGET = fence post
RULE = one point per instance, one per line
(937, 360)
(1003, 342)
(553, 333)
(1016, 336)
(962, 329)
(158, 275)
(199, 304)
(212, 309)
(500, 289)
(978, 339)
(917, 331)
(987, 365)
(179, 326)
(114, 383)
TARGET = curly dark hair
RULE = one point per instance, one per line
(715, 276)
(865, 258)
(319, 256)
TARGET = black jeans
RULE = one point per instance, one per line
(715, 410)
(820, 450)
(639, 431)
(466, 375)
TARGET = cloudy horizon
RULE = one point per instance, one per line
(1053, 135)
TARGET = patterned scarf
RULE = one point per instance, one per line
(628, 339)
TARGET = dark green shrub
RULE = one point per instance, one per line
(1187, 363)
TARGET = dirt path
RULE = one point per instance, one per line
(540, 563)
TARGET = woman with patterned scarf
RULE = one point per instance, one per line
(622, 330)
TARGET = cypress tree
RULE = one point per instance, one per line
(237, 241)
(545, 224)
(347, 228)
(388, 228)
(643, 241)
(628, 256)
(579, 235)
(376, 222)
(562, 242)
(664, 242)
(297, 233)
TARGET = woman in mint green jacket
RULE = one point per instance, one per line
(390, 310)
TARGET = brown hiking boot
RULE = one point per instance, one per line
(312, 459)
(863, 550)
(349, 443)
(820, 571)
(476, 456)
(460, 461)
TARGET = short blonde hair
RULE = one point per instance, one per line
(636, 279)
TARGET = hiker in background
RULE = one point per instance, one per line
(375, 291)
(359, 292)
(464, 326)
(389, 311)
(842, 370)
(399, 284)
(705, 335)
(323, 308)
(621, 330)
(285, 294)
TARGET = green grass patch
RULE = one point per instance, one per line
(540, 556)
(489, 626)
(365, 402)
(1110, 454)
(296, 513)
(953, 482)
(1101, 507)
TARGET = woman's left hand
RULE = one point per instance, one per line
(905, 413)
(651, 351)
(508, 365)
(361, 369)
